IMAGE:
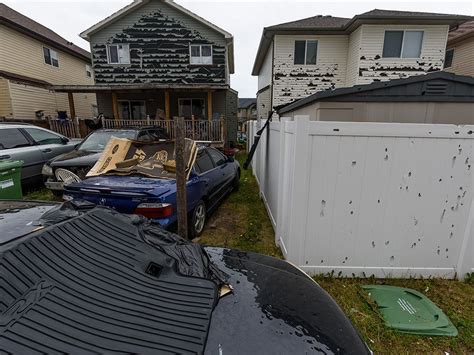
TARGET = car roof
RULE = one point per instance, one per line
(14, 125)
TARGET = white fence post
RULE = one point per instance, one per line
(299, 191)
(282, 189)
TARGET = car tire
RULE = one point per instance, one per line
(198, 220)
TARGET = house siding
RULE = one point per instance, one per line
(264, 103)
(353, 56)
(159, 37)
(5, 101)
(463, 58)
(292, 82)
(373, 67)
(265, 75)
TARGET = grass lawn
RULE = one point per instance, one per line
(241, 222)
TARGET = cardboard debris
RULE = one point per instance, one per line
(156, 159)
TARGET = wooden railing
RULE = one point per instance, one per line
(68, 128)
(200, 130)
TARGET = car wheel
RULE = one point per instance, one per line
(198, 220)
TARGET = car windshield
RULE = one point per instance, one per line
(97, 141)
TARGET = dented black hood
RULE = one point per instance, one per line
(94, 280)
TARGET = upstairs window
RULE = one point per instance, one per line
(88, 71)
(201, 54)
(51, 57)
(118, 54)
(306, 52)
(402, 44)
(448, 58)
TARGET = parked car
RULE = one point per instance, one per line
(213, 176)
(73, 166)
(93, 280)
(34, 145)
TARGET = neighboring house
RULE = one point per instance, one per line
(155, 59)
(247, 111)
(297, 59)
(438, 97)
(460, 50)
(32, 59)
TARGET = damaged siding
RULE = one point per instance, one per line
(159, 38)
(292, 82)
(353, 56)
(264, 103)
(372, 67)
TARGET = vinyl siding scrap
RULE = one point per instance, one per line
(373, 67)
(292, 82)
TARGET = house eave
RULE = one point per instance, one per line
(135, 87)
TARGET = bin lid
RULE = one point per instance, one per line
(409, 311)
(10, 164)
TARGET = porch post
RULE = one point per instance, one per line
(167, 105)
(72, 108)
(115, 108)
(209, 105)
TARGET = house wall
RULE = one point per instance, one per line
(5, 101)
(265, 75)
(159, 37)
(264, 103)
(458, 113)
(353, 56)
(463, 57)
(373, 67)
(291, 82)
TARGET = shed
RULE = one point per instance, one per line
(437, 97)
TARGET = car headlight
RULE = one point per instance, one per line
(47, 170)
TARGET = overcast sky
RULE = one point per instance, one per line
(244, 19)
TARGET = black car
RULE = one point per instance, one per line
(73, 166)
(87, 279)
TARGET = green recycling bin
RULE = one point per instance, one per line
(10, 180)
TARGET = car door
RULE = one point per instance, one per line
(49, 143)
(224, 168)
(208, 175)
(15, 145)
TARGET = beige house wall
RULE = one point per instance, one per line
(396, 112)
(463, 57)
(5, 101)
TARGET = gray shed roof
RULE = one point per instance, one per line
(433, 87)
(338, 25)
(22, 23)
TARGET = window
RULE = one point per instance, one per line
(43, 137)
(402, 44)
(448, 58)
(12, 138)
(201, 54)
(143, 136)
(203, 162)
(51, 57)
(132, 110)
(118, 54)
(191, 107)
(88, 71)
(157, 134)
(306, 52)
(218, 158)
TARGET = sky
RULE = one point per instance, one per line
(244, 19)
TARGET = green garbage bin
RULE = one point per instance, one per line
(10, 180)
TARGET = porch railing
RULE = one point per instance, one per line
(212, 131)
(68, 128)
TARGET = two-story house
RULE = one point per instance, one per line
(32, 59)
(155, 60)
(460, 50)
(297, 59)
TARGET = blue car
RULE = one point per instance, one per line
(213, 176)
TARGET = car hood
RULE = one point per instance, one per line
(125, 183)
(75, 158)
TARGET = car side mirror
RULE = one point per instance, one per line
(64, 140)
(230, 159)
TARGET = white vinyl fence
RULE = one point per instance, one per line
(383, 199)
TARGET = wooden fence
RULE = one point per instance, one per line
(68, 128)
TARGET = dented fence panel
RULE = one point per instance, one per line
(391, 200)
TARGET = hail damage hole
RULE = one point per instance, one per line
(336, 129)
(378, 201)
(409, 174)
(419, 194)
(392, 258)
(387, 242)
(442, 216)
(323, 204)
(373, 244)
(354, 163)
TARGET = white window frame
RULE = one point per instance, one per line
(403, 42)
(51, 51)
(306, 49)
(120, 62)
(89, 70)
(180, 112)
(200, 51)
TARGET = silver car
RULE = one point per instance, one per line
(34, 145)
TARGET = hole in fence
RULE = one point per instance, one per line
(336, 129)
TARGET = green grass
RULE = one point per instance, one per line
(41, 194)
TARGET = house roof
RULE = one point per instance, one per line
(246, 102)
(21, 23)
(433, 87)
(462, 32)
(138, 3)
(325, 25)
